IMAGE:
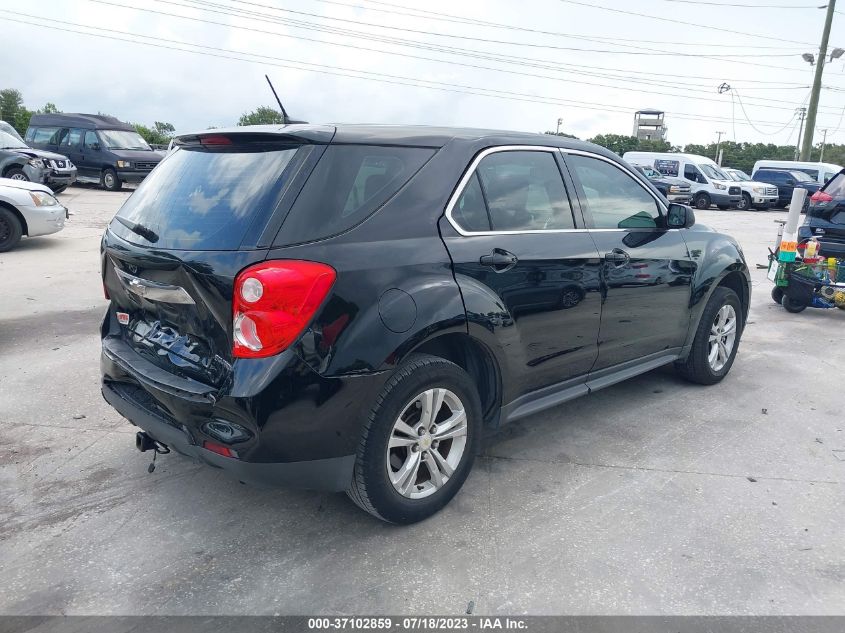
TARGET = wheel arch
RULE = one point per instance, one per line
(17, 214)
(475, 358)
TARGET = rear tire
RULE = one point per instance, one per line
(110, 181)
(702, 201)
(10, 230)
(705, 366)
(386, 450)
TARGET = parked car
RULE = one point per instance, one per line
(673, 189)
(350, 308)
(106, 151)
(755, 195)
(55, 170)
(17, 166)
(709, 184)
(787, 182)
(826, 218)
(820, 172)
(27, 208)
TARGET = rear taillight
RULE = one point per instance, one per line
(821, 196)
(274, 302)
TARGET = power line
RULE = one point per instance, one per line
(203, 6)
(336, 71)
(755, 128)
(695, 24)
(456, 19)
(448, 50)
(645, 51)
(747, 6)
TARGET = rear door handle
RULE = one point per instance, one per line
(499, 260)
(617, 257)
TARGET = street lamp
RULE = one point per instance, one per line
(809, 58)
(837, 53)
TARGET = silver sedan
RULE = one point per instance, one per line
(27, 208)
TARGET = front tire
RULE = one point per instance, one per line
(16, 173)
(702, 201)
(716, 340)
(744, 202)
(110, 181)
(419, 441)
(10, 230)
(777, 294)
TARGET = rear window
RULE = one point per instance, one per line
(198, 199)
(348, 185)
(836, 186)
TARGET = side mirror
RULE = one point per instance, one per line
(95, 147)
(680, 216)
(790, 182)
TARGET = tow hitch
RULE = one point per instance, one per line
(144, 443)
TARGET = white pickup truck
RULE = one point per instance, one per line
(755, 195)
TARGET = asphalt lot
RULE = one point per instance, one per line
(650, 497)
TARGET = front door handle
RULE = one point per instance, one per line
(499, 260)
(617, 257)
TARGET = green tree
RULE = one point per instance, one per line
(616, 143)
(49, 108)
(261, 116)
(159, 134)
(563, 134)
(13, 111)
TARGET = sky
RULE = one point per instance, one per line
(505, 64)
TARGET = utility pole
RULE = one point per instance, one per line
(801, 112)
(824, 142)
(807, 147)
(718, 145)
(559, 123)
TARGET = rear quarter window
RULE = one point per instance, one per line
(836, 187)
(348, 185)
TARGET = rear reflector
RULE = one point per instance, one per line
(821, 196)
(214, 447)
(274, 302)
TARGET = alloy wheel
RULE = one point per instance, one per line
(427, 443)
(19, 176)
(108, 180)
(722, 337)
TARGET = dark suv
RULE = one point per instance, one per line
(350, 308)
(786, 182)
(826, 218)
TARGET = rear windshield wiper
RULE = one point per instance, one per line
(139, 229)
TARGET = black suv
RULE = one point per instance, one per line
(826, 218)
(786, 182)
(350, 308)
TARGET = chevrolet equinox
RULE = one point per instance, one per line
(350, 308)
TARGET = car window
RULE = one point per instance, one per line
(91, 139)
(667, 167)
(828, 175)
(72, 139)
(349, 184)
(470, 211)
(691, 173)
(43, 134)
(199, 199)
(524, 191)
(771, 176)
(615, 199)
(802, 176)
(836, 186)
